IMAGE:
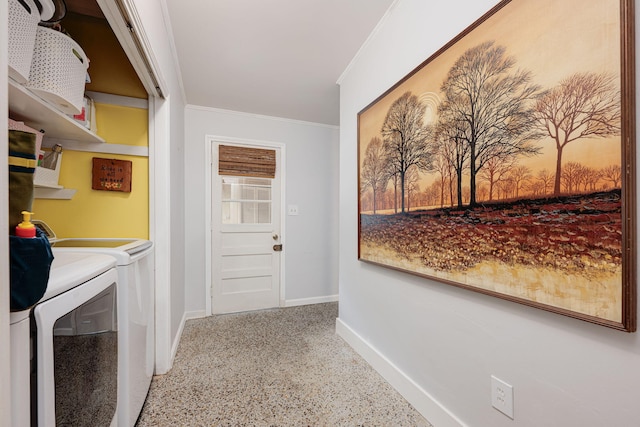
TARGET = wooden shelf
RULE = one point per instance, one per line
(37, 113)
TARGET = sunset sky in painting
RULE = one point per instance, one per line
(552, 39)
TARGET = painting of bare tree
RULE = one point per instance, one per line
(505, 163)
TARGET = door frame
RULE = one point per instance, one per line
(210, 156)
(125, 21)
(5, 339)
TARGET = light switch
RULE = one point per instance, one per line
(292, 210)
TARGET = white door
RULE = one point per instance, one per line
(246, 239)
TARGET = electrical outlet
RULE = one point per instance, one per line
(502, 396)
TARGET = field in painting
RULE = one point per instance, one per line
(564, 252)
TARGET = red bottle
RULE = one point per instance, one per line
(26, 228)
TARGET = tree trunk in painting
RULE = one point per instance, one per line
(556, 185)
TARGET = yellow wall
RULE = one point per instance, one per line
(95, 213)
(123, 125)
(109, 68)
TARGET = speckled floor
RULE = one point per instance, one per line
(282, 367)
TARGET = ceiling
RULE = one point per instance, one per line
(278, 58)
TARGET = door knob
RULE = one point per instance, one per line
(275, 236)
(277, 248)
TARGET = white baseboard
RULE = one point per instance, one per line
(424, 403)
(196, 314)
(307, 301)
(176, 339)
(188, 315)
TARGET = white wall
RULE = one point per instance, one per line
(311, 256)
(5, 404)
(168, 183)
(440, 344)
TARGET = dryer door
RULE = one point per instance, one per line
(77, 355)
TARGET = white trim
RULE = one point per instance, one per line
(424, 403)
(160, 224)
(308, 301)
(366, 43)
(119, 100)
(5, 339)
(145, 52)
(215, 139)
(208, 160)
(98, 147)
(195, 314)
(176, 339)
(129, 29)
(172, 45)
(259, 116)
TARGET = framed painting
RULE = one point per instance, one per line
(505, 162)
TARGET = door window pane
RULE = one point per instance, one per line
(246, 200)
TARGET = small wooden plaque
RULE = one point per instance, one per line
(111, 175)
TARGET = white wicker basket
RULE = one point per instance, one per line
(22, 36)
(58, 70)
(45, 177)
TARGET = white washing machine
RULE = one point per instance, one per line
(73, 346)
(136, 339)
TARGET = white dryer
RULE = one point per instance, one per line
(74, 351)
(136, 338)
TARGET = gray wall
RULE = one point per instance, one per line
(311, 256)
(442, 343)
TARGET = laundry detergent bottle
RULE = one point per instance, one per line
(26, 228)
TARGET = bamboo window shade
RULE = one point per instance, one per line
(244, 161)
